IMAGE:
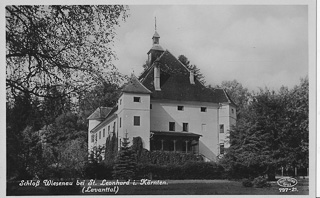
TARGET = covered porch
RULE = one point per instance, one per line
(183, 142)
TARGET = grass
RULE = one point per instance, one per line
(174, 187)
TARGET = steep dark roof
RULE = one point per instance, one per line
(135, 86)
(100, 113)
(175, 83)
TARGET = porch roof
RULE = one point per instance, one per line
(174, 133)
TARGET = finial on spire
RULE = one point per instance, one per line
(155, 23)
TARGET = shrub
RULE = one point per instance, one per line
(166, 158)
(98, 171)
(247, 183)
(190, 170)
(260, 182)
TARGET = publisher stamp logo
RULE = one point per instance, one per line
(287, 184)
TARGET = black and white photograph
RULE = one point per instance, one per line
(147, 98)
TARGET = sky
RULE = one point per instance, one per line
(258, 45)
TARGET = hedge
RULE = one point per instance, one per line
(190, 170)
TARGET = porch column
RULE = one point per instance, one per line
(161, 145)
(174, 145)
(186, 146)
(198, 148)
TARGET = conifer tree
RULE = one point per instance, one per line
(125, 164)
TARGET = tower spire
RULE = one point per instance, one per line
(156, 49)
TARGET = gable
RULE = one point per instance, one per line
(135, 86)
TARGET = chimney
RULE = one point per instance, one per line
(157, 77)
(192, 77)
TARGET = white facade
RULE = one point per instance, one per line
(98, 137)
(202, 118)
(134, 106)
(210, 120)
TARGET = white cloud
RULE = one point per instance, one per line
(257, 45)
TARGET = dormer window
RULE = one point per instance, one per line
(136, 99)
(180, 108)
(203, 109)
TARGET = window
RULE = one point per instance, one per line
(96, 136)
(114, 126)
(185, 127)
(150, 106)
(120, 101)
(99, 135)
(104, 132)
(136, 120)
(180, 108)
(232, 111)
(136, 99)
(120, 123)
(221, 148)
(109, 129)
(203, 127)
(221, 128)
(172, 126)
(203, 109)
(92, 138)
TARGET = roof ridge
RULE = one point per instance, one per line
(107, 118)
(179, 62)
(99, 113)
(135, 86)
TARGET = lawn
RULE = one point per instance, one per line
(173, 187)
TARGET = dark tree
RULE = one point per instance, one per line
(65, 46)
(197, 73)
(111, 149)
(102, 95)
(125, 165)
(271, 133)
(23, 119)
(239, 94)
(145, 65)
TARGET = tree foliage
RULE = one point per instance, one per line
(239, 94)
(22, 118)
(271, 133)
(111, 149)
(125, 165)
(102, 95)
(197, 73)
(65, 46)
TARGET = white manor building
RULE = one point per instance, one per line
(169, 109)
